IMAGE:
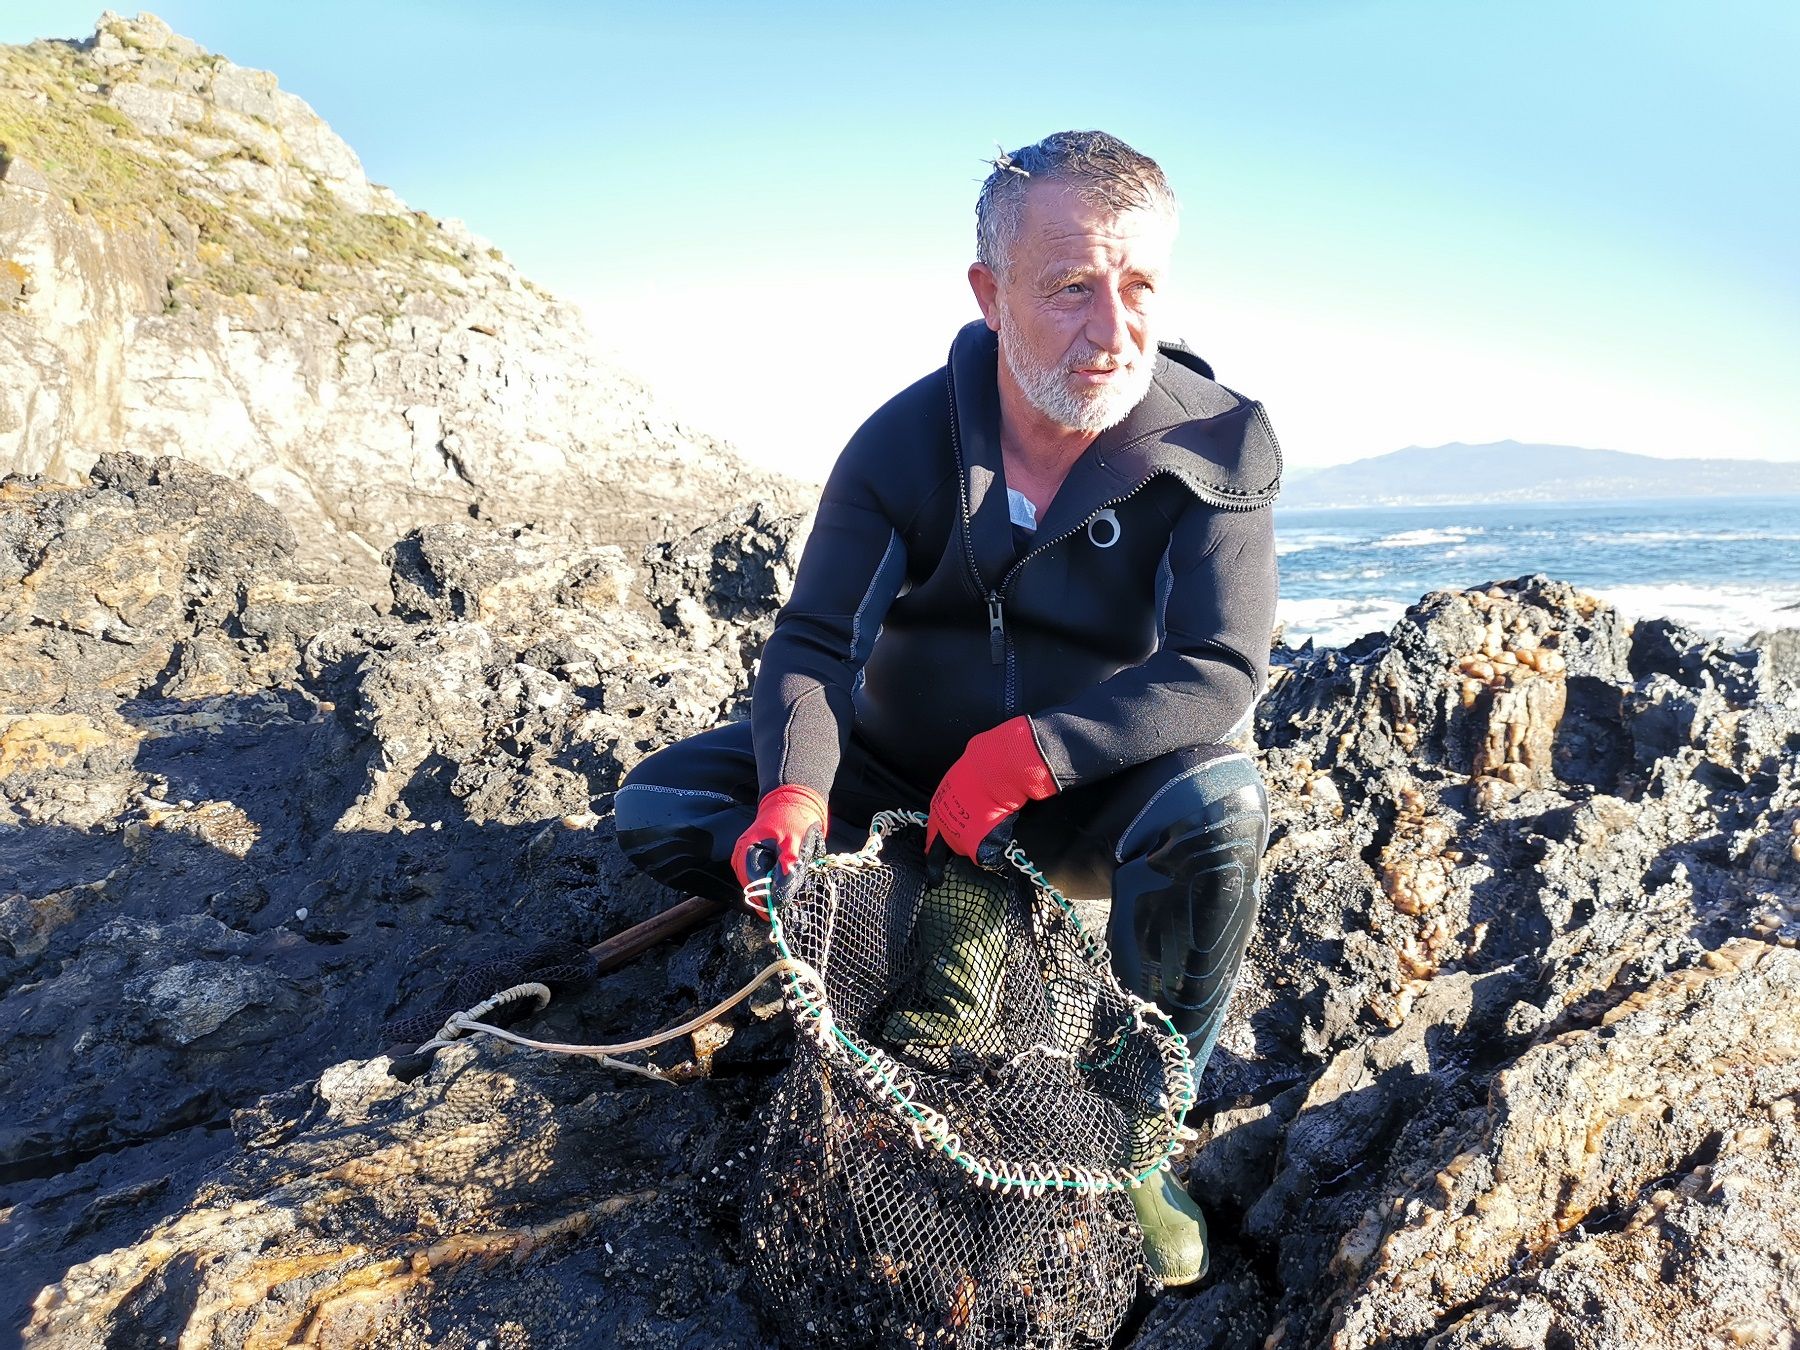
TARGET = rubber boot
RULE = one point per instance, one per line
(959, 937)
(1175, 1246)
(1185, 896)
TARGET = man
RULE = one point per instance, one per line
(1039, 595)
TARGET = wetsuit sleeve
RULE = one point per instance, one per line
(851, 569)
(1217, 620)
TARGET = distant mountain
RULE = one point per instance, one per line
(1508, 471)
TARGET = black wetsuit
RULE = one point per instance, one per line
(1137, 623)
(1133, 630)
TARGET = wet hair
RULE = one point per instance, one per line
(1101, 169)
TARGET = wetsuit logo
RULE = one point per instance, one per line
(1104, 530)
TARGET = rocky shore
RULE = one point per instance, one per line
(1514, 1061)
(339, 584)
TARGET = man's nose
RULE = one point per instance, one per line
(1108, 321)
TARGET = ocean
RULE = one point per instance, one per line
(1724, 566)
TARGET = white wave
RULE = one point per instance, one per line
(1688, 537)
(1729, 613)
(1332, 623)
(1302, 541)
(1449, 534)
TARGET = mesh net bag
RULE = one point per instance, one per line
(971, 1097)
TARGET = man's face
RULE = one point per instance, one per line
(1075, 311)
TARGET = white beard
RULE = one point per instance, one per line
(1047, 389)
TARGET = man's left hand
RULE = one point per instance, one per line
(999, 771)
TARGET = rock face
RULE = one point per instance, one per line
(1519, 1002)
(245, 820)
(1514, 1061)
(193, 263)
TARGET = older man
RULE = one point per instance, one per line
(1039, 595)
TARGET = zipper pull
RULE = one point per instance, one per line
(996, 630)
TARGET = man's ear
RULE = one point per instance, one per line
(987, 292)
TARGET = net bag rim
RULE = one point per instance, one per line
(892, 1087)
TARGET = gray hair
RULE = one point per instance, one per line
(1101, 169)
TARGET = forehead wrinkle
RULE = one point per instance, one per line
(1087, 243)
(1057, 232)
(1064, 266)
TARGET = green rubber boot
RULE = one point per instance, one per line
(1174, 1230)
(959, 936)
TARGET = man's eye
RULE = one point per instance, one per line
(1074, 288)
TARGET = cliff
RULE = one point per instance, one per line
(193, 263)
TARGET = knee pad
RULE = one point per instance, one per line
(681, 836)
(1186, 891)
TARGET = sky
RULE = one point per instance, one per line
(1405, 222)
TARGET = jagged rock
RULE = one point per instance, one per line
(735, 566)
(137, 1031)
(1481, 685)
(1781, 651)
(207, 272)
(1584, 1129)
(192, 999)
(1495, 1051)
(1690, 1266)
(251, 849)
(364, 1211)
(460, 571)
(1429, 951)
(130, 582)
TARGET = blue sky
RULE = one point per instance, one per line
(1404, 222)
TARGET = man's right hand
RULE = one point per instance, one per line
(783, 819)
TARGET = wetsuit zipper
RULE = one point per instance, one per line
(962, 493)
(999, 644)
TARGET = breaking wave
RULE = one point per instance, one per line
(1449, 534)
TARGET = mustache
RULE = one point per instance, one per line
(1094, 361)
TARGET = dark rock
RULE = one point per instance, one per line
(1515, 1028)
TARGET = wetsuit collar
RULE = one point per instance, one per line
(1213, 441)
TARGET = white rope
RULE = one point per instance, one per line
(448, 1032)
(465, 1023)
(882, 1077)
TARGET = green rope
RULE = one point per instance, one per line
(869, 1067)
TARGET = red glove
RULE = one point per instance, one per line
(782, 819)
(1000, 770)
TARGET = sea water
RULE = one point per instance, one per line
(1724, 566)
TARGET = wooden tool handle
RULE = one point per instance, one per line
(675, 921)
(619, 949)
